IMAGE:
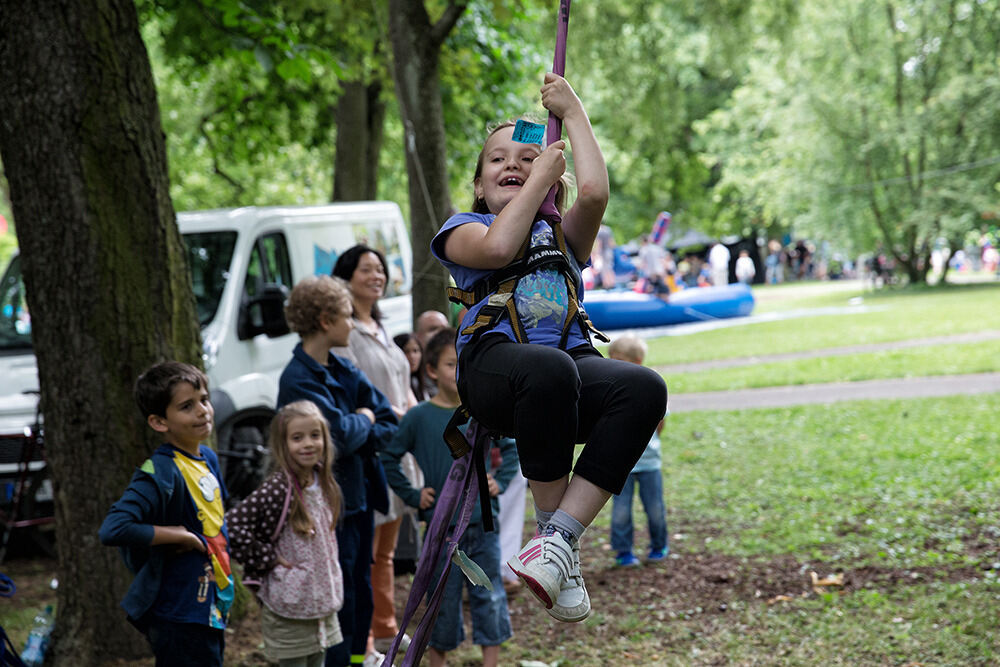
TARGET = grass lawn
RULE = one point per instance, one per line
(945, 359)
(899, 498)
(901, 484)
(891, 315)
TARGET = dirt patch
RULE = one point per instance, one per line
(686, 585)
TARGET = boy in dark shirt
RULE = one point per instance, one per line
(170, 524)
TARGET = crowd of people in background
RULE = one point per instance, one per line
(660, 269)
(656, 268)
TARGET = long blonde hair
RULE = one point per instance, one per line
(298, 517)
(566, 181)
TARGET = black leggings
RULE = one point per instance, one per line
(549, 400)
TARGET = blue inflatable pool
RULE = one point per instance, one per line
(614, 309)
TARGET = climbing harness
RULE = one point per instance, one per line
(498, 290)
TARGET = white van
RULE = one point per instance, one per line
(243, 262)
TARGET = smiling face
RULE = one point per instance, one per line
(189, 417)
(368, 280)
(505, 167)
(306, 444)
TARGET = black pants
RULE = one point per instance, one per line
(354, 542)
(185, 644)
(549, 400)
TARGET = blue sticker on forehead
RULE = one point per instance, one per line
(528, 133)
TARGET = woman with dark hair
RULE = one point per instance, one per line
(414, 351)
(386, 366)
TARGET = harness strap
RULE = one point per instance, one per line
(540, 256)
(457, 443)
(439, 546)
(479, 457)
(498, 288)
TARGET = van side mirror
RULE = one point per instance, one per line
(264, 313)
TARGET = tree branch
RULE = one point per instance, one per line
(439, 31)
(216, 168)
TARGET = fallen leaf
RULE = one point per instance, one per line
(818, 584)
(780, 598)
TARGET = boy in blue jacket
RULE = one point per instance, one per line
(420, 432)
(170, 524)
(361, 423)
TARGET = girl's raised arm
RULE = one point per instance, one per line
(480, 247)
(583, 219)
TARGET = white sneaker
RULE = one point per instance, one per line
(573, 603)
(383, 644)
(544, 563)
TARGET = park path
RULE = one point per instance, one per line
(833, 392)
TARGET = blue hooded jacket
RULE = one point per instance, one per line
(338, 389)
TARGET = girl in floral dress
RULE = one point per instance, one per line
(283, 534)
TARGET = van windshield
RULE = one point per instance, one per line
(209, 254)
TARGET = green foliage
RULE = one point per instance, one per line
(248, 92)
(491, 69)
(872, 125)
(828, 120)
(652, 71)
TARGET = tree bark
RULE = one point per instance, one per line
(360, 116)
(416, 47)
(105, 274)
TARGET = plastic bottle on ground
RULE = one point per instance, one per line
(38, 639)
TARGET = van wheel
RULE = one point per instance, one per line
(43, 535)
(247, 460)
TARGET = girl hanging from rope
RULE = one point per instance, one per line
(527, 367)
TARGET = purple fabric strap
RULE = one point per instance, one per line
(439, 547)
(553, 130)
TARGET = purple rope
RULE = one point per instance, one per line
(456, 492)
(553, 130)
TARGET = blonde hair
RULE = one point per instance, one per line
(314, 298)
(628, 347)
(566, 181)
(298, 517)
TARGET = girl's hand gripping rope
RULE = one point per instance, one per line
(559, 98)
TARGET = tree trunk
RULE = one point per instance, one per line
(360, 119)
(416, 47)
(105, 274)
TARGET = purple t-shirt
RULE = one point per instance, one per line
(541, 298)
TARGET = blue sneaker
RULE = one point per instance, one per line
(656, 555)
(627, 559)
